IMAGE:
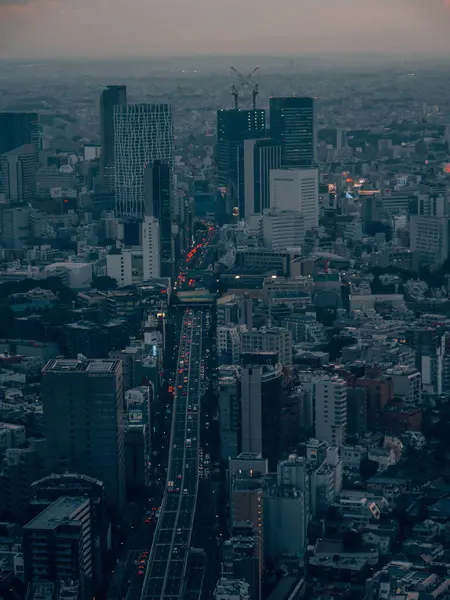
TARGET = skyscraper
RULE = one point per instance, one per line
(292, 125)
(18, 129)
(297, 190)
(260, 156)
(113, 95)
(151, 236)
(157, 189)
(83, 421)
(233, 127)
(260, 405)
(143, 133)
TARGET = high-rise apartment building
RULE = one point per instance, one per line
(331, 410)
(292, 125)
(83, 421)
(113, 95)
(158, 205)
(296, 190)
(151, 247)
(18, 175)
(18, 129)
(143, 133)
(57, 544)
(233, 128)
(260, 156)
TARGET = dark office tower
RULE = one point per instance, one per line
(260, 156)
(261, 395)
(233, 127)
(18, 129)
(157, 187)
(113, 95)
(83, 421)
(57, 545)
(292, 125)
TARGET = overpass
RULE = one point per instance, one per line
(165, 577)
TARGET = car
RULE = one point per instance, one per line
(179, 476)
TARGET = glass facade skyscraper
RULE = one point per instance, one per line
(143, 133)
(113, 95)
(292, 126)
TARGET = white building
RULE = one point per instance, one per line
(296, 190)
(143, 133)
(151, 248)
(79, 274)
(231, 589)
(119, 266)
(407, 384)
(283, 229)
(331, 410)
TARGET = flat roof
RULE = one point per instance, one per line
(61, 511)
(68, 365)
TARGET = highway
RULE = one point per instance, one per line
(166, 568)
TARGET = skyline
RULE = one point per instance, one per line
(109, 28)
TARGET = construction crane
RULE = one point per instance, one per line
(245, 82)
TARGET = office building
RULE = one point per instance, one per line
(119, 266)
(260, 405)
(113, 95)
(18, 175)
(159, 206)
(229, 414)
(18, 129)
(283, 229)
(260, 156)
(233, 128)
(331, 410)
(83, 421)
(296, 190)
(151, 248)
(407, 384)
(292, 126)
(143, 133)
(47, 490)
(15, 227)
(57, 544)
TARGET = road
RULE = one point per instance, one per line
(166, 571)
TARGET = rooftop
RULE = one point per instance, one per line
(81, 366)
(61, 511)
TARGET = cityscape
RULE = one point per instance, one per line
(225, 327)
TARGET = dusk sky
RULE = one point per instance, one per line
(112, 28)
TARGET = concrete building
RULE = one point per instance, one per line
(151, 242)
(231, 589)
(407, 384)
(83, 421)
(79, 275)
(429, 239)
(331, 410)
(296, 190)
(269, 339)
(57, 544)
(283, 229)
(119, 266)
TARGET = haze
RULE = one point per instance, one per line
(113, 28)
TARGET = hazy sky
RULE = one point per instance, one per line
(102, 28)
